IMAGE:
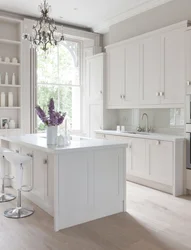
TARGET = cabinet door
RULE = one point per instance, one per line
(116, 75)
(132, 72)
(95, 114)
(95, 71)
(188, 62)
(136, 158)
(150, 70)
(173, 67)
(160, 161)
(40, 174)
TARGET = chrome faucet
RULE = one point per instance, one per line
(147, 121)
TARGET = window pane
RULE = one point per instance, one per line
(47, 70)
(69, 63)
(58, 77)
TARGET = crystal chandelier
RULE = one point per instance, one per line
(45, 33)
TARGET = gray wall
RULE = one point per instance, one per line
(164, 15)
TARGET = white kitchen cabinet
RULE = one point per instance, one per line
(95, 78)
(150, 70)
(173, 67)
(154, 163)
(132, 79)
(95, 113)
(115, 75)
(136, 157)
(188, 61)
(160, 161)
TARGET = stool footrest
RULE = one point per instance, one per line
(26, 188)
(7, 177)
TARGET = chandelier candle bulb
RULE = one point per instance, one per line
(10, 99)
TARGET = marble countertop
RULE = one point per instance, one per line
(154, 136)
(38, 141)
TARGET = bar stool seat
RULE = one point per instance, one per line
(19, 162)
(4, 197)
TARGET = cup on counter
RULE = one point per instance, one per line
(118, 128)
(122, 128)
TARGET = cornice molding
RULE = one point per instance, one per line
(150, 4)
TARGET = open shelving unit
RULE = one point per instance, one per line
(11, 46)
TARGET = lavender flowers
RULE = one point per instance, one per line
(53, 118)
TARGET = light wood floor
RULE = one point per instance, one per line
(153, 221)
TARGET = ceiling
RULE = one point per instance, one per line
(95, 14)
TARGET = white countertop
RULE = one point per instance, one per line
(37, 141)
(154, 136)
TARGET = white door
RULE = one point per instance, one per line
(150, 70)
(173, 67)
(160, 161)
(95, 114)
(115, 75)
(132, 72)
(136, 158)
(95, 71)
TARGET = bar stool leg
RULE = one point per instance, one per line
(4, 197)
(19, 211)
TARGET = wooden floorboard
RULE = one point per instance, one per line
(154, 221)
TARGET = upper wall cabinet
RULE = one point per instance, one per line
(115, 76)
(132, 68)
(95, 77)
(149, 70)
(173, 67)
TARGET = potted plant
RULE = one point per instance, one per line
(52, 120)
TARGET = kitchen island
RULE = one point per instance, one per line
(75, 184)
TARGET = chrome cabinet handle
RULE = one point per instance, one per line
(188, 83)
(45, 161)
(158, 143)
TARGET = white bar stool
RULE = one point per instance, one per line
(4, 197)
(18, 160)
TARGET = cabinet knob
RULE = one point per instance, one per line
(161, 93)
(157, 93)
(158, 143)
(45, 161)
(130, 146)
(188, 83)
(121, 96)
(101, 92)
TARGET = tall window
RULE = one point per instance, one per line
(58, 77)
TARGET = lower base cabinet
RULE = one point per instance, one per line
(154, 163)
(160, 161)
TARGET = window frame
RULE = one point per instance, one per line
(80, 86)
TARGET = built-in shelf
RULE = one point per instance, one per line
(6, 41)
(9, 108)
(11, 64)
(10, 86)
(9, 129)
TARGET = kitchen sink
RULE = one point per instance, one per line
(136, 133)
